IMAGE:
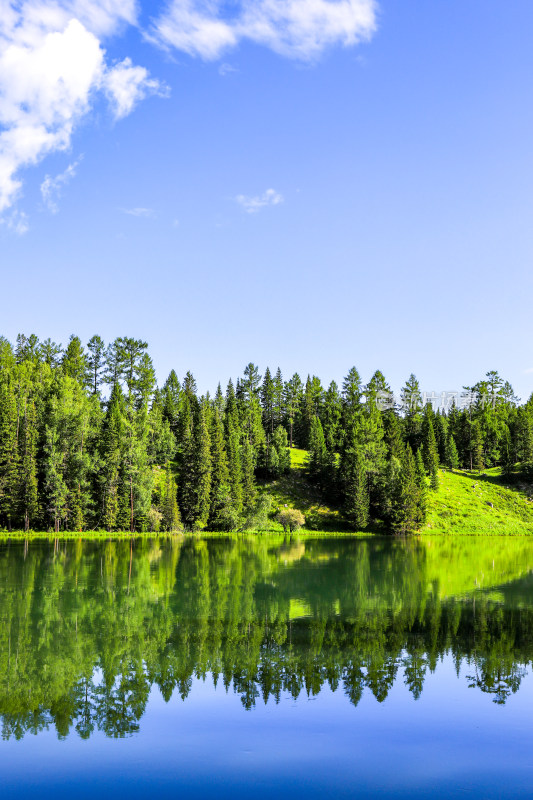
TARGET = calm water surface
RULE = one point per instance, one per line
(261, 667)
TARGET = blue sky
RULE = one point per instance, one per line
(261, 181)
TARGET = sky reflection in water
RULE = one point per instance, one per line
(107, 659)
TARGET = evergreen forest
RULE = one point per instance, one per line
(89, 441)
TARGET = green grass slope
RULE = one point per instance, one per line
(294, 490)
(466, 503)
(474, 504)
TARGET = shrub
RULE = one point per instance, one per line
(291, 519)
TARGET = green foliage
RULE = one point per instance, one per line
(430, 451)
(452, 456)
(170, 515)
(356, 501)
(109, 620)
(76, 454)
(9, 456)
(291, 519)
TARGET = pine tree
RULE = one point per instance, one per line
(144, 381)
(137, 480)
(129, 353)
(7, 356)
(233, 448)
(111, 444)
(196, 478)
(412, 412)
(114, 363)
(278, 399)
(248, 482)
(440, 426)
(317, 455)
(422, 490)
(280, 446)
(250, 408)
(477, 447)
(220, 403)
(49, 353)
(292, 401)
(378, 390)
(171, 401)
(370, 435)
(393, 434)
(55, 487)
(351, 391)
(310, 407)
(430, 452)
(28, 473)
(356, 503)
(452, 457)
(405, 501)
(9, 456)
(74, 361)
(170, 519)
(331, 417)
(220, 489)
(251, 382)
(507, 454)
(267, 403)
(95, 363)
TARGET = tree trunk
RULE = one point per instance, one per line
(131, 503)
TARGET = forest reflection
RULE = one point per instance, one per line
(88, 628)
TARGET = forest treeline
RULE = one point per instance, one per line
(89, 441)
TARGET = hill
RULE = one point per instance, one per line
(473, 503)
(466, 503)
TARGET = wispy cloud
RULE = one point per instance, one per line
(295, 28)
(51, 188)
(52, 64)
(528, 371)
(125, 85)
(254, 204)
(226, 69)
(140, 212)
(15, 222)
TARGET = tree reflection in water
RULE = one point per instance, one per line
(87, 628)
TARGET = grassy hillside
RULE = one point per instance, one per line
(473, 504)
(466, 503)
(294, 491)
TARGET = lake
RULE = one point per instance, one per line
(259, 666)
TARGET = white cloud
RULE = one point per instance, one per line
(254, 204)
(295, 28)
(51, 187)
(193, 26)
(15, 222)
(139, 212)
(126, 84)
(528, 371)
(226, 69)
(52, 63)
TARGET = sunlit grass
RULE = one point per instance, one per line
(475, 503)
